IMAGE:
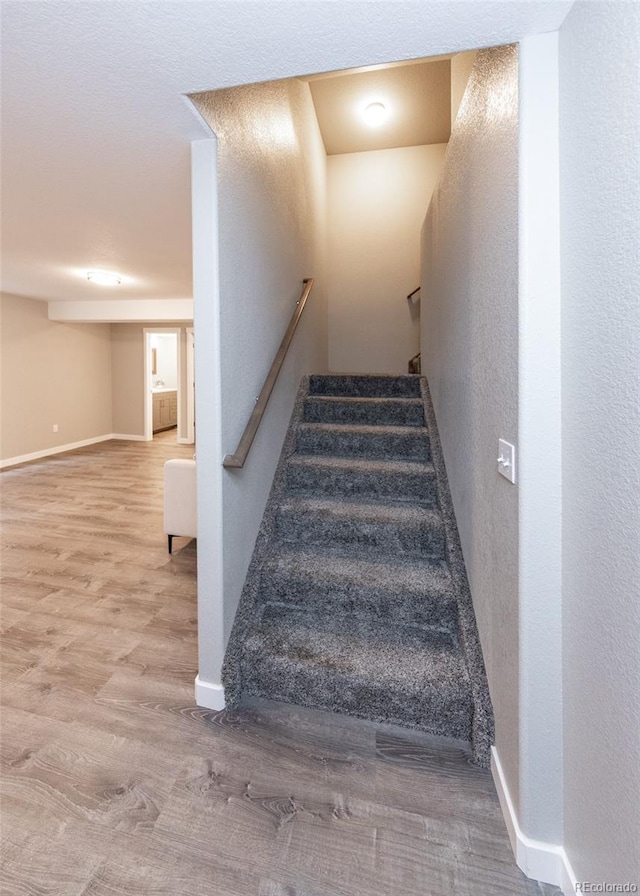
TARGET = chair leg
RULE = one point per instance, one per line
(170, 537)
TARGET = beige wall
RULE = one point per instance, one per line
(461, 68)
(52, 373)
(377, 202)
(470, 357)
(127, 358)
(86, 378)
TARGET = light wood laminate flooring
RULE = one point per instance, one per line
(114, 782)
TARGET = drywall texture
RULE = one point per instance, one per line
(600, 199)
(127, 358)
(52, 373)
(461, 68)
(469, 323)
(271, 208)
(376, 204)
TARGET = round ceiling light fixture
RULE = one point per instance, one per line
(375, 114)
(104, 278)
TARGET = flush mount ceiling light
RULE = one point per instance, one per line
(375, 114)
(104, 278)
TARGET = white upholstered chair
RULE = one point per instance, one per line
(179, 499)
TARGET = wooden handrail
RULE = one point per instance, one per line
(236, 461)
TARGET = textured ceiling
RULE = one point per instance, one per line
(96, 127)
(416, 97)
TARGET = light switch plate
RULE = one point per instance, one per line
(507, 460)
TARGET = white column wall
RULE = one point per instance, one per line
(539, 805)
(271, 195)
(600, 222)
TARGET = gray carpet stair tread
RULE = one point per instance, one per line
(366, 529)
(372, 670)
(376, 440)
(393, 513)
(359, 429)
(352, 573)
(352, 400)
(418, 592)
(364, 440)
(357, 465)
(396, 411)
(365, 478)
(364, 384)
(360, 646)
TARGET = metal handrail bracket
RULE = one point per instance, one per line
(412, 294)
(236, 461)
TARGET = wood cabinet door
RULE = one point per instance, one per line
(156, 413)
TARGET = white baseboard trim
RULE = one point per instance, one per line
(58, 449)
(209, 695)
(538, 859)
(569, 881)
(125, 437)
(182, 441)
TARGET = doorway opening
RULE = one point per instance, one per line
(168, 383)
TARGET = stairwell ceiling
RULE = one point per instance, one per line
(96, 127)
(416, 97)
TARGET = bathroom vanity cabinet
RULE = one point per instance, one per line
(165, 409)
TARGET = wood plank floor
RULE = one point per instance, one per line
(114, 782)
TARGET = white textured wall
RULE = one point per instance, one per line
(51, 373)
(271, 220)
(376, 205)
(470, 357)
(600, 203)
(539, 804)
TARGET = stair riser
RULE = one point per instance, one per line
(421, 540)
(372, 445)
(292, 682)
(365, 386)
(436, 612)
(335, 483)
(371, 413)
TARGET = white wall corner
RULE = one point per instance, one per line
(540, 787)
(542, 861)
(208, 411)
(209, 695)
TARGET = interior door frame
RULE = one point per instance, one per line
(148, 332)
(189, 438)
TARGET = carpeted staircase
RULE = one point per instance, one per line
(356, 600)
